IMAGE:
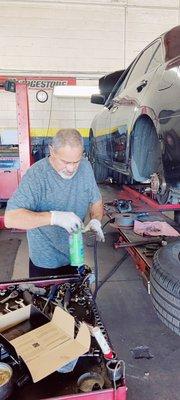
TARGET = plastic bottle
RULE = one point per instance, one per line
(107, 351)
(76, 249)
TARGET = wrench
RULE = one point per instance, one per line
(7, 309)
(20, 302)
(12, 295)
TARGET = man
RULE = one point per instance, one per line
(52, 201)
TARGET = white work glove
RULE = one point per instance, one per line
(95, 225)
(67, 220)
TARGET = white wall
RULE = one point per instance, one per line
(79, 36)
(75, 38)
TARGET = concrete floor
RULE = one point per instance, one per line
(129, 317)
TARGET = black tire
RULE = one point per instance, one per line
(101, 172)
(165, 284)
(145, 150)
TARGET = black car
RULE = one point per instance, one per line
(137, 133)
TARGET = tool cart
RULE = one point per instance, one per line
(54, 342)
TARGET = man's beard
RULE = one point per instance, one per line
(64, 175)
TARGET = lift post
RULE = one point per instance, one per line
(23, 127)
(15, 162)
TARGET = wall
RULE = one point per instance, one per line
(68, 36)
(83, 39)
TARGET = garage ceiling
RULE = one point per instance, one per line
(103, 2)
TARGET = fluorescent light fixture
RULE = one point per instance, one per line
(75, 91)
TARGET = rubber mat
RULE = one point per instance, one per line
(8, 251)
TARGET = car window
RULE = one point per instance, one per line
(156, 59)
(119, 85)
(122, 84)
(172, 43)
(142, 63)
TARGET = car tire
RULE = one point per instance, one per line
(144, 159)
(101, 172)
(165, 284)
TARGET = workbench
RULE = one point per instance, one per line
(152, 212)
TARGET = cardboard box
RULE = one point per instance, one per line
(48, 347)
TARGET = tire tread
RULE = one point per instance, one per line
(165, 293)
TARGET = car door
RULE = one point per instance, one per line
(99, 130)
(101, 137)
(127, 103)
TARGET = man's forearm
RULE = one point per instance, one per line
(96, 211)
(26, 219)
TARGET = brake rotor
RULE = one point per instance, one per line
(159, 188)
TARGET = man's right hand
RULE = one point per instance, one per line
(67, 220)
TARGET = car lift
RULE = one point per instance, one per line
(144, 206)
(10, 178)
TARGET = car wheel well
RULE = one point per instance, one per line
(142, 119)
(145, 152)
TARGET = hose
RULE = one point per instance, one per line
(96, 267)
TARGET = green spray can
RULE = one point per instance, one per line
(76, 249)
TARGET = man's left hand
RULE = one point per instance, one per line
(95, 225)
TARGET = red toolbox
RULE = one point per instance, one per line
(93, 376)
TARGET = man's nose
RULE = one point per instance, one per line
(70, 167)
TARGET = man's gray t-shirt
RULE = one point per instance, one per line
(43, 189)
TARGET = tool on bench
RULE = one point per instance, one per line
(142, 216)
(30, 287)
(6, 308)
(125, 220)
(123, 205)
(27, 297)
(20, 302)
(150, 249)
(12, 295)
(153, 246)
(67, 298)
(145, 242)
(2, 292)
(51, 295)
